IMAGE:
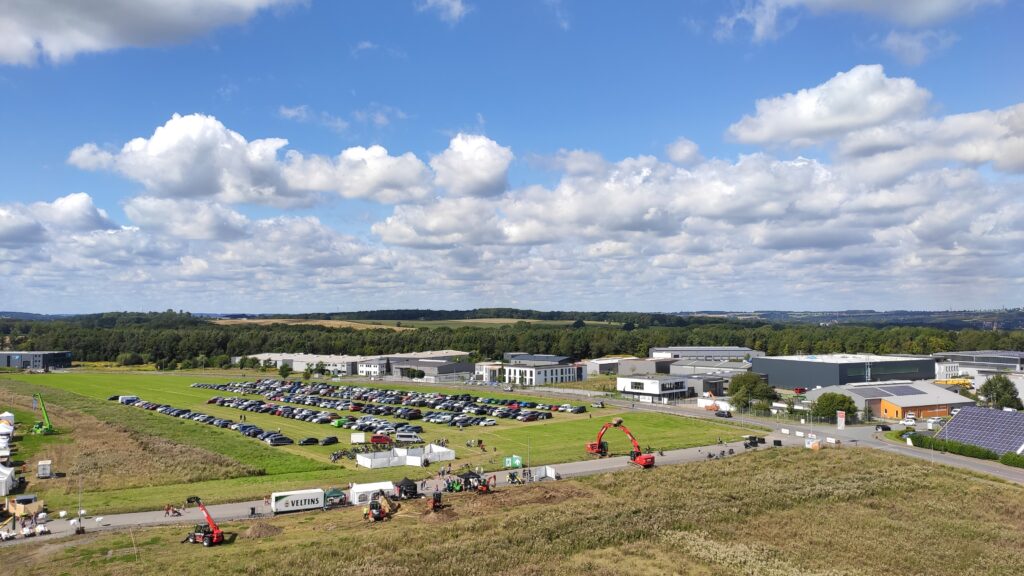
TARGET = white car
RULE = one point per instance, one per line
(489, 422)
(909, 422)
(954, 411)
(935, 420)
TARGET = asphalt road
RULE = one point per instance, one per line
(242, 510)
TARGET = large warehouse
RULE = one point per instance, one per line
(837, 369)
(35, 360)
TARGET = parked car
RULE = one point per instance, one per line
(489, 422)
(954, 411)
(329, 440)
(799, 390)
(310, 441)
(935, 420)
(908, 422)
(882, 428)
(279, 440)
(723, 414)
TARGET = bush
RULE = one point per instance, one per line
(130, 359)
(1011, 459)
(953, 447)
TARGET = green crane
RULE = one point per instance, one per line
(43, 427)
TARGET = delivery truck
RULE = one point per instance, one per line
(297, 500)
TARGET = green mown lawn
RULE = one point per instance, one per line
(560, 439)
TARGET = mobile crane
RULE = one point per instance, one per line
(44, 426)
(636, 455)
(209, 534)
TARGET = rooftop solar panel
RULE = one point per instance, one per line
(869, 392)
(902, 390)
(996, 430)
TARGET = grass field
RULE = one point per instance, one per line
(298, 321)
(261, 469)
(780, 512)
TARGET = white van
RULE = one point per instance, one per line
(408, 437)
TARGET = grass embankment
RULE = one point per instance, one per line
(779, 512)
(560, 439)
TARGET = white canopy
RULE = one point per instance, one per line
(361, 493)
(6, 480)
(5, 428)
(8, 417)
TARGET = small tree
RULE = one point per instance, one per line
(1000, 392)
(321, 369)
(579, 324)
(831, 402)
(749, 387)
(284, 370)
(307, 373)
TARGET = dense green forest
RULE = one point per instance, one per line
(171, 338)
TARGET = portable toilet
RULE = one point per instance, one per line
(43, 469)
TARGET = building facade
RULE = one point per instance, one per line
(36, 360)
(838, 369)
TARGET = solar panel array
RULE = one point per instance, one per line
(902, 390)
(870, 392)
(999, 431)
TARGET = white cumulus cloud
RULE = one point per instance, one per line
(859, 98)
(472, 165)
(60, 29)
(451, 11)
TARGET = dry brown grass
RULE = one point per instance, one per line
(299, 321)
(111, 456)
(776, 513)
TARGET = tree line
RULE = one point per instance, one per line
(173, 339)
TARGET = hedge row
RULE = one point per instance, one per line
(1011, 459)
(953, 447)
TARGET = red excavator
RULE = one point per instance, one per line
(636, 456)
(208, 535)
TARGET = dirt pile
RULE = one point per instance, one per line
(261, 530)
(443, 515)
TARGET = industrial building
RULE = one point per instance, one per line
(35, 360)
(704, 352)
(895, 399)
(345, 365)
(729, 367)
(434, 369)
(646, 366)
(1002, 360)
(823, 370)
(607, 365)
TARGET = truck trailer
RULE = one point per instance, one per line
(297, 500)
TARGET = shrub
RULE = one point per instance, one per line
(1011, 459)
(953, 447)
(130, 359)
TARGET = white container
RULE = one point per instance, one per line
(43, 468)
(358, 438)
(297, 500)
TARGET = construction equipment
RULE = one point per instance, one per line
(435, 502)
(713, 407)
(487, 486)
(636, 455)
(382, 508)
(209, 534)
(43, 427)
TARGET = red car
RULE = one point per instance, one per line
(799, 390)
(380, 439)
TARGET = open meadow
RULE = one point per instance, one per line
(135, 459)
(781, 512)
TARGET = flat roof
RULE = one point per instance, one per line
(841, 358)
(695, 348)
(904, 394)
(615, 360)
(658, 377)
(1003, 353)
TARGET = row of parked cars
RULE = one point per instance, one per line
(270, 437)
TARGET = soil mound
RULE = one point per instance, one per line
(261, 530)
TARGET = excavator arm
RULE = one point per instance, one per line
(202, 508)
(636, 445)
(42, 408)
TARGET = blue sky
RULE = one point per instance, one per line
(829, 154)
